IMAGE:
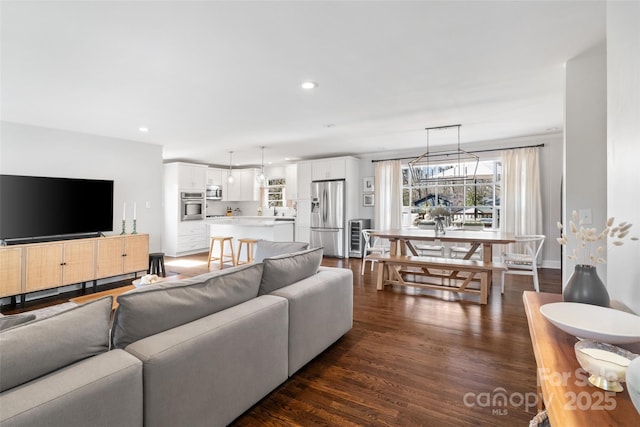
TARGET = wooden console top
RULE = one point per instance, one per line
(569, 398)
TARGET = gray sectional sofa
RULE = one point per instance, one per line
(195, 352)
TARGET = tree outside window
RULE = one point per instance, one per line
(468, 200)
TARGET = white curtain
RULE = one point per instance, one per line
(388, 195)
(521, 211)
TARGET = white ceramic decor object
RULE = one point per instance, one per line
(606, 363)
(633, 382)
(593, 322)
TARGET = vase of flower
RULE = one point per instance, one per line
(584, 286)
(439, 225)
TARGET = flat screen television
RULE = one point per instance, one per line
(35, 207)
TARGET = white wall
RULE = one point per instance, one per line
(135, 168)
(623, 146)
(585, 170)
(550, 176)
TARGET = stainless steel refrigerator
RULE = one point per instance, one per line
(328, 217)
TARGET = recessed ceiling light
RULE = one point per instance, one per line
(143, 129)
(309, 85)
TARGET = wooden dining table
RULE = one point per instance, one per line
(401, 239)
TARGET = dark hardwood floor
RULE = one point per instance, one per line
(414, 357)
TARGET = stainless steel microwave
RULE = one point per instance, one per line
(214, 192)
(192, 206)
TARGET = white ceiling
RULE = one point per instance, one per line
(208, 77)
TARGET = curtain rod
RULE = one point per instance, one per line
(474, 152)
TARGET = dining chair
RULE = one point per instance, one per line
(521, 257)
(459, 251)
(372, 245)
(436, 249)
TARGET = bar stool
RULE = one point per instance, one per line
(223, 256)
(156, 264)
(249, 244)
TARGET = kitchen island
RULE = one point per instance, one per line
(277, 229)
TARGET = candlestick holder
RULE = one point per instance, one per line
(134, 227)
(123, 231)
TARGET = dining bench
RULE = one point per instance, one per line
(447, 270)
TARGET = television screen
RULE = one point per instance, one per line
(32, 206)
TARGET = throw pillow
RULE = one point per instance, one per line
(268, 249)
(37, 348)
(283, 270)
(7, 322)
(153, 309)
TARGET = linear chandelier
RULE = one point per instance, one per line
(451, 165)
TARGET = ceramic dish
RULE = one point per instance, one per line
(606, 363)
(633, 382)
(593, 322)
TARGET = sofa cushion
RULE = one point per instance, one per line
(43, 346)
(283, 270)
(7, 322)
(156, 308)
(268, 249)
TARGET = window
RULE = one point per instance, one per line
(275, 192)
(476, 200)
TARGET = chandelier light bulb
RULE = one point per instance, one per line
(230, 176)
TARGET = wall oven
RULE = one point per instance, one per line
(192, 206)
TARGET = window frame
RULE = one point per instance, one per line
(438, 188)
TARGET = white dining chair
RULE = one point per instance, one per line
(460, 251)
(436, 249)
(521, 257)
(372, 245)
(432, 249)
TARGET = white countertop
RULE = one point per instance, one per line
(251, 220)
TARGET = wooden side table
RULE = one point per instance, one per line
(115, 292)
(562, 384)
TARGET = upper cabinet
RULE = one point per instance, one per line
(303, 181)
(191, 176)
(216, 176)
(291, 181)
(244, 187)
(329, 169)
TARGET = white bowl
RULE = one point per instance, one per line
(606, 363)
(594, 322)
(633, 382)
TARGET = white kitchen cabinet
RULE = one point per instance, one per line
(190, 176)
(291, 181)
(215, 176)
(329, 169)
(303, 181)
(303, 215)
(303, 234)
(244, 186)
(177, 238)
(192, 236)
(249, 186)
